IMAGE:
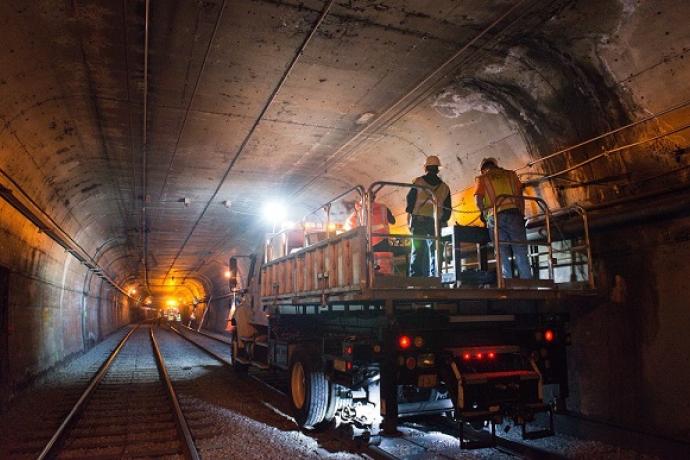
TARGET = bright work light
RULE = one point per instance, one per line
(274, 212)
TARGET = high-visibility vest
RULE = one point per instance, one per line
(498, 182)
(379, 221)
(424, 206)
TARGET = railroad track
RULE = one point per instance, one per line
(388, 448)
(129, 409)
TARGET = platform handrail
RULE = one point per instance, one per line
(327, 205)
(324, 207)
(586, 246)
(547, 215)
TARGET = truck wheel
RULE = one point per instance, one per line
(308, 391)
(328, 421)
(237, 366)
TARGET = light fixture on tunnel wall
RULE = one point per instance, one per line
(187, 201)
(227, 204)
(365, 118)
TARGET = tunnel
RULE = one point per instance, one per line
(141, 142)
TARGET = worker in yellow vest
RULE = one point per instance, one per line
(493, 182)
(420, 209)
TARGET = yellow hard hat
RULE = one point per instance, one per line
(432, 160)
(488, 160)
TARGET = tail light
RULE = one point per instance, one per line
(549, 335)
(479, 356)
(404, 342)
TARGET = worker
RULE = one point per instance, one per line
(420, 209)
(381, 217)
(493, 182)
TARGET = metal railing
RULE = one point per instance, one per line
(497, 242)
(326, 207)
(585, 247)
(548, 217)
(375, 188)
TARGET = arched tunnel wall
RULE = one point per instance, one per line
(54, 308)
(564, 74)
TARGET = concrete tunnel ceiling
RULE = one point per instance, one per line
(110, 149)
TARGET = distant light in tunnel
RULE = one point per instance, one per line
(274, 212)
(228, 274)
(171, 302)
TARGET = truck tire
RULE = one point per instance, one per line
(309, 395)
(237, 366)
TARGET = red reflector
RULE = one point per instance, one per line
(549, 335)
(466, 356)
(348, 350)
(349, 366)
(492, 355)
(479, 356)
(404, 342)
(411, 363)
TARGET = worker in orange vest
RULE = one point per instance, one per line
(493, 182)
(381, 216)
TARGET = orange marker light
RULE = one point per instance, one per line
(492, 355)
(404, 342)
(479, 356)
(466, 356)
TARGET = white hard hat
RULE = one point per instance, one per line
(432, 160)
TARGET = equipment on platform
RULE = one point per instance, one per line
(363, 343)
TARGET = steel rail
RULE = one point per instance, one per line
(205, 334)
(213, 354)
(183, 430)
(222, 360)
(58, 437)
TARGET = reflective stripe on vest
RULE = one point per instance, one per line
(499, 182)
(424, 206)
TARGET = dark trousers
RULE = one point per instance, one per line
(423, 253)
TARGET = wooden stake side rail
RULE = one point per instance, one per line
(336, 265)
